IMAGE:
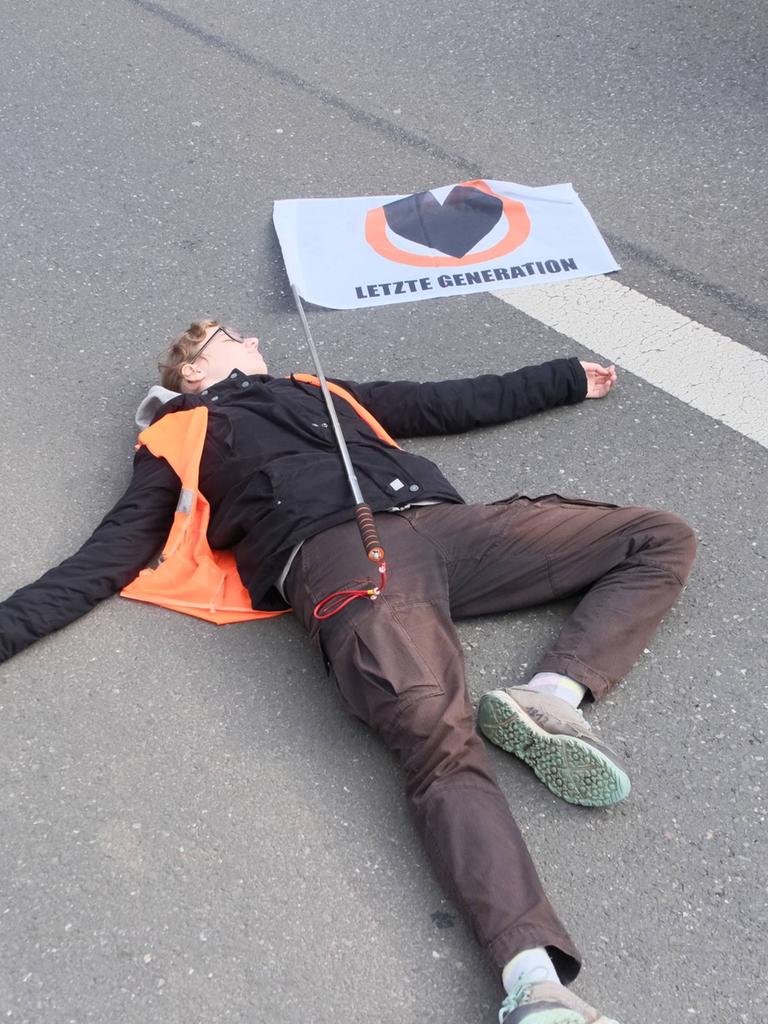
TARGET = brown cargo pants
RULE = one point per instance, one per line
(399, 664)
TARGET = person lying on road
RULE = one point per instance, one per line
(272, 482)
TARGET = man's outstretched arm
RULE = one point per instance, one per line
(118, 549)
(408, 409)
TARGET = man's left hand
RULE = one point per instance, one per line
(600, 379)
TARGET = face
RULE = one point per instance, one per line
(219, 353)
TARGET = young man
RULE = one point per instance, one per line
(279, 500)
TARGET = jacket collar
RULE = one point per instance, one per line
(158, 396)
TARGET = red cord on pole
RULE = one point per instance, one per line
(333, 603)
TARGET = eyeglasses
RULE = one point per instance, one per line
(232, 335)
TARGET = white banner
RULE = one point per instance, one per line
(471, 237)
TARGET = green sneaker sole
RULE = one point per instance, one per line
(551, 1015)
(569, 767)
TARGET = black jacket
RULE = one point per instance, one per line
(273, 477)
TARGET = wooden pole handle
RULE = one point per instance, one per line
(368, 533)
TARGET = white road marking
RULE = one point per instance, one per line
(708, 371)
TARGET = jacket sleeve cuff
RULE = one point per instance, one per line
(579, 377)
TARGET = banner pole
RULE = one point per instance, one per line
(363, 513)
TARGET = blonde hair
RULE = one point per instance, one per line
(180, 351)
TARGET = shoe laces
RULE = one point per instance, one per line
(521, 993)
(544, 718)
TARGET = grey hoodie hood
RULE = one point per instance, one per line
(149, 407)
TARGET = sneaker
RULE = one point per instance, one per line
(556, 741)
(547, 1002)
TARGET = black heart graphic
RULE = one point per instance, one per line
(466, 216)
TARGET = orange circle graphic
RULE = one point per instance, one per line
(518, 229)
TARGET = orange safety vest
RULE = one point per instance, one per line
(191, 577)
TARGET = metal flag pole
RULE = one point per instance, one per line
(363, 513)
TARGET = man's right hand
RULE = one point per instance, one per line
(600, 379)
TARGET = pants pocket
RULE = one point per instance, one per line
(560, 499)
(507, 501)
(382, 660)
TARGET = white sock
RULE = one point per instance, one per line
(534, 963)
(564, 687)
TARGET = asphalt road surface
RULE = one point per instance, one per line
(192, 829)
